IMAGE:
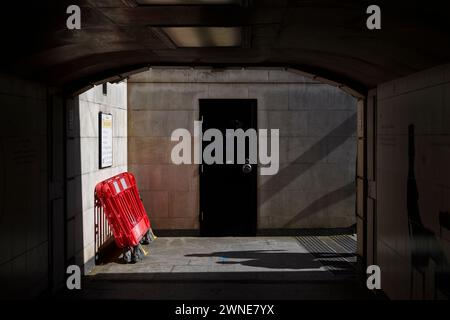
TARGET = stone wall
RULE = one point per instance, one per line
(423, 101)
(315, 185)
(24, 172)
(83, 171)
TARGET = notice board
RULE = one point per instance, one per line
(105, 140)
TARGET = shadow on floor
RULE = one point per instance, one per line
(277, 259)
(276, 274)
(111, 254)
(295, 285)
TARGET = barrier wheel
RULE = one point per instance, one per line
(137, 254)
(127, 255)
(146, 238)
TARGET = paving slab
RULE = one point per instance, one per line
(233, 268)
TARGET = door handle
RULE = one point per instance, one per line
(247, 168)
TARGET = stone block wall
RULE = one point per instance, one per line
(423, 101)
(315, 185)
(24, 188)
(83, 171)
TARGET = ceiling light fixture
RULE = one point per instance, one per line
(200, 37)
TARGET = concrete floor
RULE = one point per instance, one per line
(233, 268)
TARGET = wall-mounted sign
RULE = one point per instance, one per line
(106, 140)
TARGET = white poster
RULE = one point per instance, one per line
(106, 140)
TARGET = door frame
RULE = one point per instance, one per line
(371, 201)
(366, 206)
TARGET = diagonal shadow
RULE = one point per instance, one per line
(278, 259)
(288, 174)
(327, 200)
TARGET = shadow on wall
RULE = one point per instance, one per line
(316, 206)
(288, 174)
(253, 285)
(425, 245)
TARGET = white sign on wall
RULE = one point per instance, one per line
(106, 139)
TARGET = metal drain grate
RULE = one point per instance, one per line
(345, 241)
(336, 253)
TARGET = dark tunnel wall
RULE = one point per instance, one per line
(24, 173)
(413, 185)
(31, 188)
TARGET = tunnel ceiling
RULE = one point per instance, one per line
(328, 38)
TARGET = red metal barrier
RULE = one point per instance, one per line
(123, 208)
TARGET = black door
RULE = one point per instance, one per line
(228, 191)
